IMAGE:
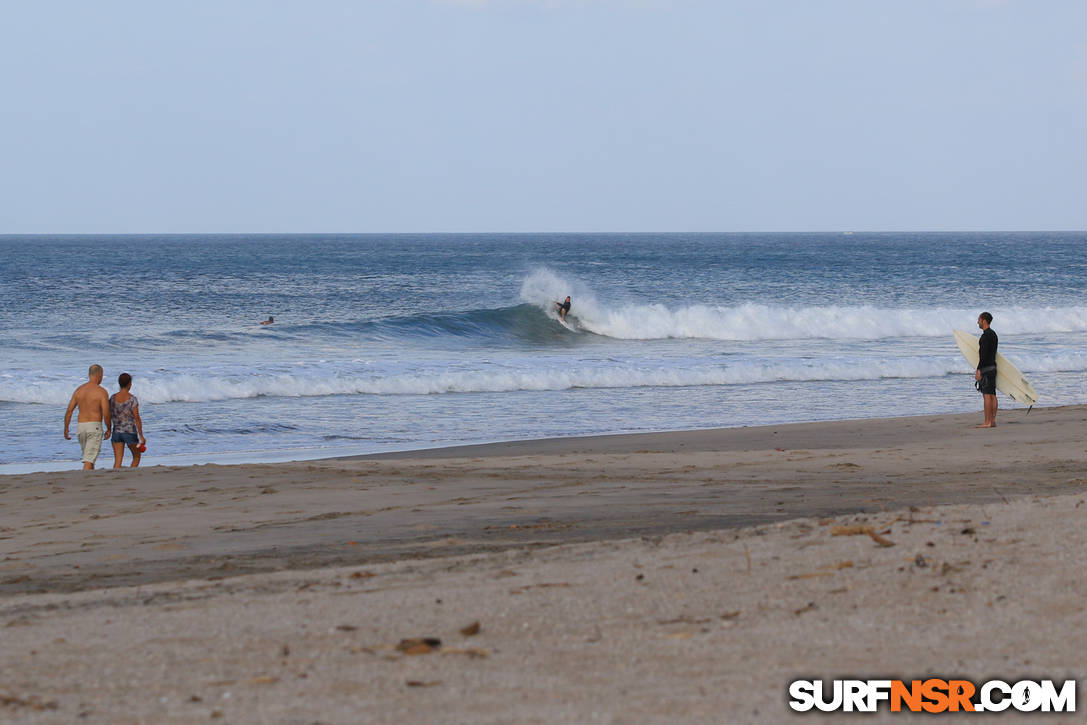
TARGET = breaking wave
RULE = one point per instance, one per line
(309, 381)
(748, 322)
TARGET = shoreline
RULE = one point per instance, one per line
(632, 442)
(274, 456)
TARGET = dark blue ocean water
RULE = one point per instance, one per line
(388, 342)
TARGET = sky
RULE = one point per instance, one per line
(377, 116)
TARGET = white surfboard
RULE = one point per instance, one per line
(1008, 378)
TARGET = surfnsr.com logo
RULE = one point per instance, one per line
(932, 695)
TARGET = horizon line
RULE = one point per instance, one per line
(581, 232)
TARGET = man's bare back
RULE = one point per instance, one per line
(92, 401)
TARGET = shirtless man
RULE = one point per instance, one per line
(93, 403)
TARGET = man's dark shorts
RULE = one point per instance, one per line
(987, 384)
(129, 438)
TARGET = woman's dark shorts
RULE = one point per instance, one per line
(128, 438)
(987, 384)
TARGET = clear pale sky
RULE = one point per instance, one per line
(533, 115)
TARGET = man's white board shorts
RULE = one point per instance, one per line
(90, 439)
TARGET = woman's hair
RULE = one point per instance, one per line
(124, 380)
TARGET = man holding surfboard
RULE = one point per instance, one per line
(985, 375)
(993, 371)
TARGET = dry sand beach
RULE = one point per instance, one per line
(676, 577)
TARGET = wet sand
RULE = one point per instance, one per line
(277, 593)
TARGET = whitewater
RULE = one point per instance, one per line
(395, 342)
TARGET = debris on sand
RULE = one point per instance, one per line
(858, 530)
(810, 606)
(419, 646)
(263, 680)
(827, 570)
(32, 703)
(470, 651)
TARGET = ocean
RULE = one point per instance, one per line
(397, 342)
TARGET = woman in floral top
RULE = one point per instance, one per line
(125, 411)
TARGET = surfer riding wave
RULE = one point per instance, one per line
(563, 308)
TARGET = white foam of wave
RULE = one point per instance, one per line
(543, 288)
(310, 383)
(754, 321)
